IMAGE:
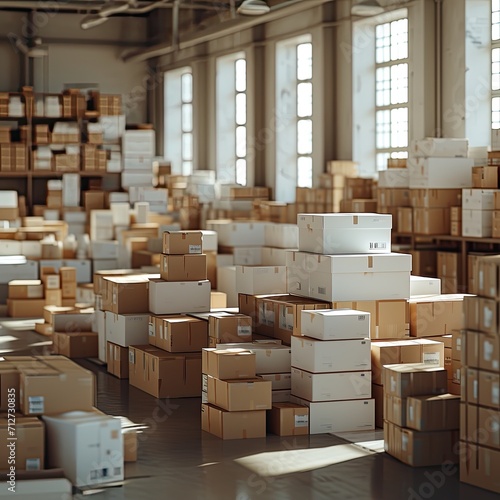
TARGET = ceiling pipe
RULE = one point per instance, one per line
(230, 27)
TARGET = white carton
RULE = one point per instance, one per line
(477, 223)
(87, 446)
(136, 178)
(247, 256)
(71, 190)
(138, 163)
(39, 489)
(279, 381)
(349, 277)
(31, 249)
(328, 356)
(209, 242)
(17, 268)
(175, 297)
(260, 280)
(11, 247)
(345, 233)
(101, 221)
(440, 173)
(226, 282)
(338, 324)
(8, 199)
(394, 178)
(281, 235)
(420, 285)
(274, 256)
(104, 250)
(239, 234)
(339, 416)
(120, 213)
(478, 199)
(224, 260)
(127, 329)
(331, 386)
(438, 147)
(138, 143)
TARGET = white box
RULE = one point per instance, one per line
(209, 242)
(281, 235)
(281, 396)
(120, 213)
(31, 249)
(87, 446)
(73, 322)
(331, 386)
(138, 163)
(75, 217)
(338, 324)
(11, 247)
(127, 329)
(224, 260)
(17, 269)
(478, 199)
(269, 357)
(71, 190)
(477, 223)
(259, 280)
(101, 221)
(239, 234)
(205, 192)
(39, 489)
(138, 143)
(349, 277)
(247, 256)
(279, 381)
(113, 127)
(8, 199)
(339, 416)
(328, 356)
(104, 249)
(345, 233)
(226, 282)
(434, 147)
(394, 178)
(175, 297)
(274, 256)
(136, 178)
(440, 173)
(100, 328)
(420, 285)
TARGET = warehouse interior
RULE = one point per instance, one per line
(250, 249)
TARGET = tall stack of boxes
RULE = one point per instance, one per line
(480, 405)
(449, 271)
(421, 420)
(234, 399)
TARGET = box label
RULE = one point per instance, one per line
(285, 319)
(34, 293)
(266, 316)
(151, 330)
(488, 350)
(474, 389)
(495, 394)
(378, 245)
(404, 442)
(301, 420)
(393, 384)
(131, 357)
(487, 316)
(204, 382)
(194, 248)
(32, 464)
(244, 331)
(431, 358)
(410, 414)
(204, 397)
(36, 404)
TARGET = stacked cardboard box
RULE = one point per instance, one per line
(234, 400)
(331, 370)
(420, 419)
(13, 157)
(391, 200)
(477, 212)
(480, 410)
(449, 271)
(227, 328)
(456, 221)
(138, 149)
(277, 239)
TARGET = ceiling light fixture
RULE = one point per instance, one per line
(92, 21)
(253, 8)
(367, 8)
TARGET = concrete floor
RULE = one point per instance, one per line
(180, 462)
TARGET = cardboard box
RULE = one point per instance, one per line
(339, 416)
(414, 379)
(25, 289)
(259, 280)
(478, 466)
(448, 264)
(395, 410)
(53, 297)
(435, 198)
(165, 375)
(218, 300)
(489, 389)
(169, 297)
(183, 267)
(389, 319)
(228, 364)
(239, 234)
(489, 351)
(431, 221)
(337, 324)
(331, 386)
(441, 148)
(87, 446)
(233, 425)
(52, 384)
(239, 395)
(440, 173)
(437, 315)
(433, 413)
(72, 321)
(230, 327)
(288, 419)
(181, 334)
(349, 277)
(127, 329)
(126, 295)
(470, 385)
(117, 360)
(420, 285)
(478, 199)
(182, 242)
(428, 352)
(25, 308)
(281, 235)
(279, 381)
(75, 344)
(345, 233)
(477, 223)
(27, 452)
(321, 356)
(421, 449)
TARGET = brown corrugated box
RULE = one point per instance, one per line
(288, 419)
(479, 466)
(126, 295)
(76, 344)
(182, 242)
(227, 328)
(433, 413)
(183, 267)
(395, 410)
(25, 289)
(228, 364)
(117, 360)
(181, 334)
(25, 308)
